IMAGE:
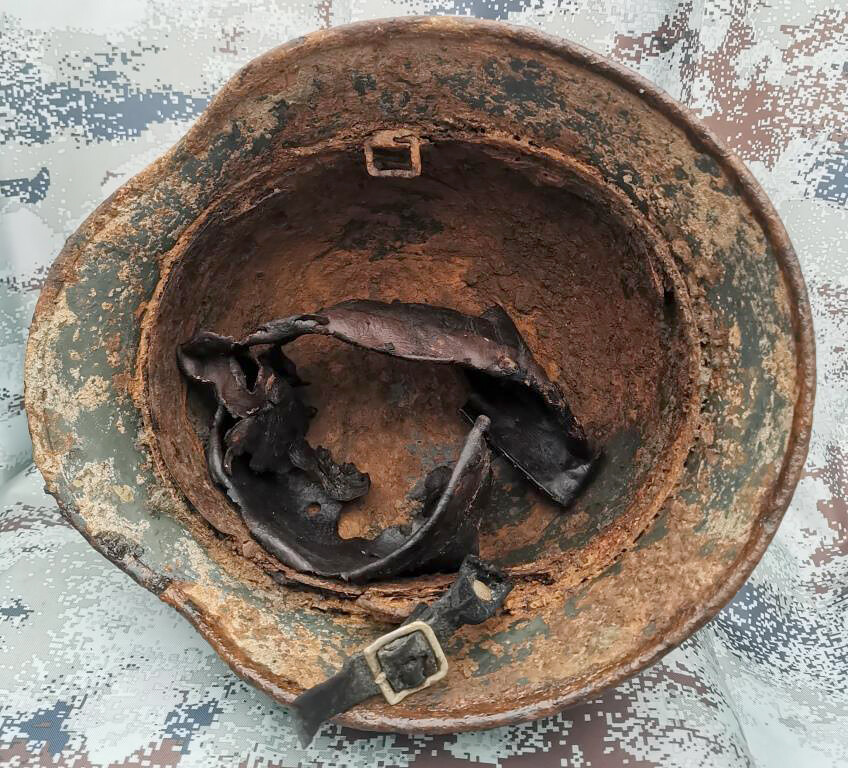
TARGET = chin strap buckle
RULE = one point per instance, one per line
(410, 657)
(381, 676)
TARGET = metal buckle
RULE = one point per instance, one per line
(393, 141)
(370, 653)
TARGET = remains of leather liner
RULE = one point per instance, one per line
(396, 667)
(291, 494)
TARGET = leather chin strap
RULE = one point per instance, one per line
(409, 658)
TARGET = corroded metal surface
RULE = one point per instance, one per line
(698, 521)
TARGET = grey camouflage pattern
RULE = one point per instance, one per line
(95, 671)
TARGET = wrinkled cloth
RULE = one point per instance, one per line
(95, 671)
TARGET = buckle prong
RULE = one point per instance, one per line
(370, 653)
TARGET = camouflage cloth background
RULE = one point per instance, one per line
(94, 671)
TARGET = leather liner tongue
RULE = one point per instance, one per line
(291, 494)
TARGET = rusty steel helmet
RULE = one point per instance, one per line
(499, 224)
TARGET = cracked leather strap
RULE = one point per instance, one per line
(406, 663)
(291, 494)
